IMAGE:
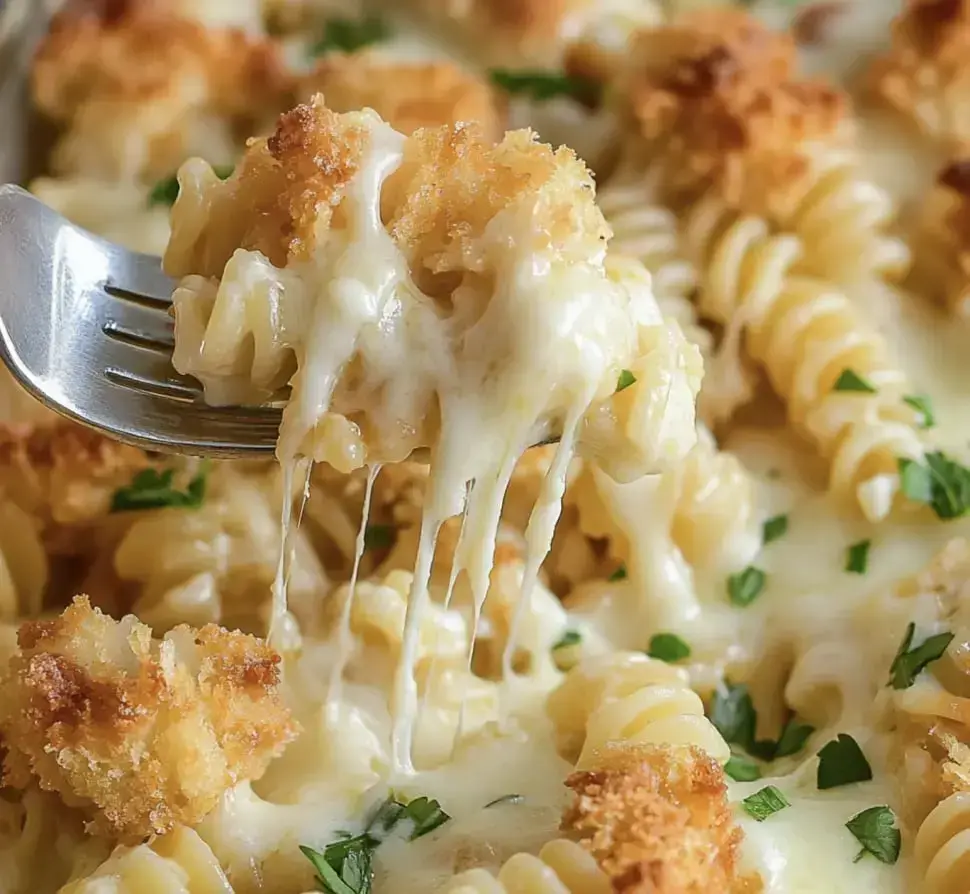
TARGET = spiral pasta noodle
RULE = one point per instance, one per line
(561, 867)
(178, 863)
(942, 846)
(629, 698)
(841, 219)
(23, 564)
(805, 334)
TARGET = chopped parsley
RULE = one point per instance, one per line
(505, 799)
(378, 536)
(344, 35)
(345, 866)
(742, 769)
(942, 483)
(909, 663)
(625, 380)
(541, 85)
(764, 803)
(745, 586)
(857, 557)
(166, 190)
(774, 528)
(152, 489)
(668, 647)
(841, 762)
(569, 638)
(619, 574)
(792, 739)
(875, 829)
(733, 714)
(852, 381)
(922, 404)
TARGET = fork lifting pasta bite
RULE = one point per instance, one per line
(415, 319)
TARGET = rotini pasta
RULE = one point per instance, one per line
(23, 564)
(629, 698)
(216, 563)
(942, 846)
(769, 143)
(561, 867)
(805, 334)
(177, 863)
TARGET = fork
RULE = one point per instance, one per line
(86, 328)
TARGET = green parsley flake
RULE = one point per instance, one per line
(852, 381)
(540, 85)
(742, 769)
(857, 557)
(733, 715)
(774, 528)
(344, 35)
(166, 190)
(378, 536)
(619, 574)
(841, 762)
(922, 404)
(875, 829)
(942, 483)
(151, 489)
(505, 799)
(764, 803)
(793, 738)
(746, 586)
(668, 647)
(569, 638)
(345, 866)
(625, 380)
(910, 663)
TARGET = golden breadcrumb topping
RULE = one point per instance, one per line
(717, 91)
(286, 191)
(928, 62)
(141, 733)
(155, 72)
(508, 26)
(65, 475)
(408, 95)
(657, 820)
(943, 238)
(136, 52)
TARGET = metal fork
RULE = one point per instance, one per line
(85, 326)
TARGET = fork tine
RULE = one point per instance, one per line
(162, 341)
(141, 277)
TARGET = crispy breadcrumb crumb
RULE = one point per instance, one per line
(657, 820)
(65, 475)
(144, 88)
(943, 239)
(926, 73)
(717, 91)
(408, 95)
(141, 733)
(286, 191)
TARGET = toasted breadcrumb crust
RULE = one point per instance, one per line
(509, 28)
(717, 92)
(927, 70)
(657, 820)
(408, 95)
(65, 475)
(134, 83)
(142, 734)
(138, 52)
(286, 191)
(943, 240)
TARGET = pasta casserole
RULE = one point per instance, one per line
(617, 536)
